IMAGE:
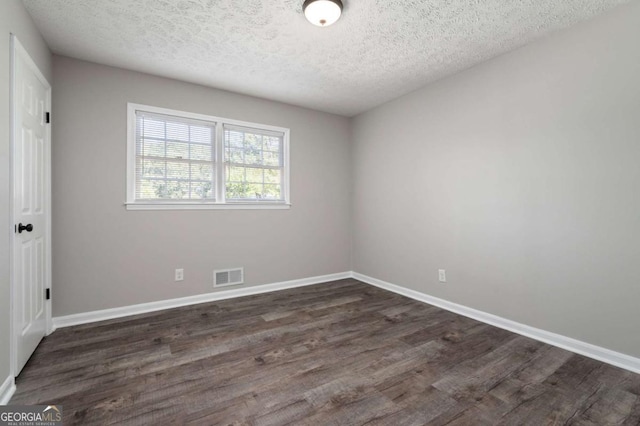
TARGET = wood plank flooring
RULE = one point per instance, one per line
(341, 353)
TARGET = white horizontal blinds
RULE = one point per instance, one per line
(175, 158)
(254, 164)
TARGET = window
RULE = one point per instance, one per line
(179, 160)
(175, 158)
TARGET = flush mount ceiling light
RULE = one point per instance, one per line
(322, 12)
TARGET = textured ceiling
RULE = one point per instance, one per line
(377, 51)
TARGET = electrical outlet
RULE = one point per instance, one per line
(179, 274)
(442, 275)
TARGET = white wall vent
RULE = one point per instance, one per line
(225, 277)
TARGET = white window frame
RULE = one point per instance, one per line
(220, 202)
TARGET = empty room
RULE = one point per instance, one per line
(320, 212)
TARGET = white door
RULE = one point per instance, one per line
(30, 170)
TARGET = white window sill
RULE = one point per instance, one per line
(207, 206)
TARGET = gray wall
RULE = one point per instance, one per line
(105, 256)
(521, 178)
(13, 19)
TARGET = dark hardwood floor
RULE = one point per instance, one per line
(342, 353)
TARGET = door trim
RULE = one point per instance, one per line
(15, 47)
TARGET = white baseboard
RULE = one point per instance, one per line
(7, 390)
(143, 308)
(592, 351)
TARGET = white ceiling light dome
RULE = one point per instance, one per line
(322, 12)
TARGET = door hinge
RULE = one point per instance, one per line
(47, 294)
(47, 117)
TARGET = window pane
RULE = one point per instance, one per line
(235, 139)
(252, 142)
(252, 156)
(201, 152)
(201, 172)
(153, 168)
(147, 189)
(272, 176)
(271, 158)
(272, 143)
(177, 170)
(177, 131)
(176, 189)
(235, 156)
(153, 148)
(202, 190)
(254, 175)
(254, 191)
(237, 190)
(235, 174)
(272, 192)
(151, 128)
(201, 134)
(178, 150)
